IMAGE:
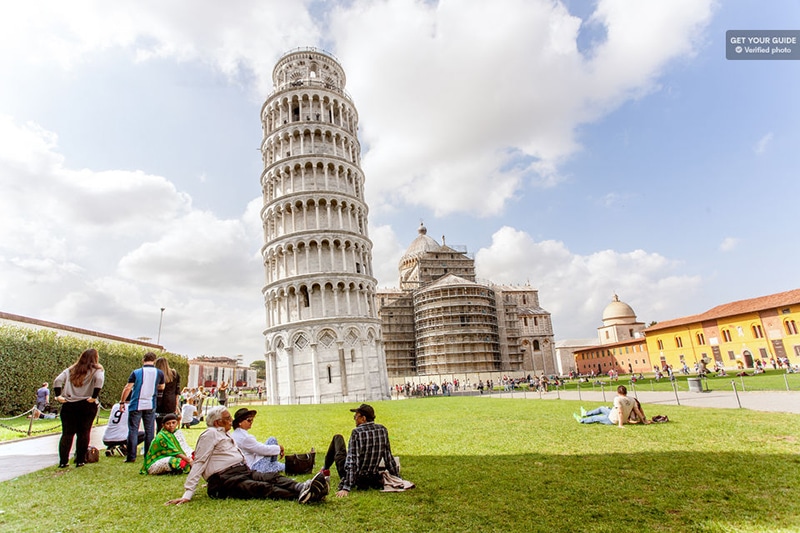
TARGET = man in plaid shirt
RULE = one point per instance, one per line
(368, 453)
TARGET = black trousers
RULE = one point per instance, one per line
(76, 419)
(337, 454)
(242, 483)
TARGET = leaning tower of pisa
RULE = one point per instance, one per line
(323, 336)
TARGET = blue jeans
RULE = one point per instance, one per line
(270, 463)
(598, 416)
(148, 418)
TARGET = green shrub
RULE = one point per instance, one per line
(29, 357)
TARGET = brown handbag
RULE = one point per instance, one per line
(92, 455)
(300, 463)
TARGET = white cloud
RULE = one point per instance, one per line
(728, 244)
(475, 98)
(105, 250)
(616, 199)
(763, 142)
(242, 38)
(576, 288)
(386, 253)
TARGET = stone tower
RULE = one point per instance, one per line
(323, 335)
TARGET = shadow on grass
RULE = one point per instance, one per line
(615, 492)
(623, 492)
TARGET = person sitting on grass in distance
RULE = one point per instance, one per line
(189, 415)
(260, 457)
(360, 463)
(618, 414)
(167, 454)
(219, 461)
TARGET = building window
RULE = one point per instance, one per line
(330, 375)
(660, 344)
(726, 335)
(740, 331)
(791, 327)
(535, 321)
(757, 332)
(678, 342)
(796, 350)
(525, 321)
(731, 355)
(536, 345)
(606, 334)
(701, 339)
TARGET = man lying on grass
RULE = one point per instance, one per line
(219, 461)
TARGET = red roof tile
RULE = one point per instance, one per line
(762, 303)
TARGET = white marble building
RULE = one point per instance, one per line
(323, 334)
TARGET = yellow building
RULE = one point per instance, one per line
(735, 334)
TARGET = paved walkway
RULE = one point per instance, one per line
(772, 401)
(23, 456)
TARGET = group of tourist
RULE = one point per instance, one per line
(234, 465)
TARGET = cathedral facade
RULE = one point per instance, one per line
(443, 321)
(323, 334)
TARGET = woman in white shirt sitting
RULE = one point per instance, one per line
(260, 457)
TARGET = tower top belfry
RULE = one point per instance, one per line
(308, 66)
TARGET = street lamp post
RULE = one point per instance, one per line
(160, 321)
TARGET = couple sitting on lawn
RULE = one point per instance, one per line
(625, 410)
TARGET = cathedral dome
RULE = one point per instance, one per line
(618, 313)
(420, 245)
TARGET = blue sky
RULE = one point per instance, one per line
(585, 147)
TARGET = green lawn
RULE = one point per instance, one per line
(499, 465)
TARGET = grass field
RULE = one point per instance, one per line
(499, 465)
(772, 380)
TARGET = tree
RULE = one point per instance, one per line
(260, 366)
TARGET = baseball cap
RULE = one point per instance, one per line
(365, 410)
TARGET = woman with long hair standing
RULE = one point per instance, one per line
(167, 403)
(77, 389)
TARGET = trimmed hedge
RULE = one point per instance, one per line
(29, 357)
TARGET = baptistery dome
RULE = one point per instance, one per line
(618, 312)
